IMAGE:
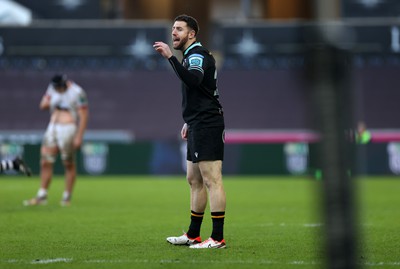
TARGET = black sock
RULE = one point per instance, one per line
(195, 224)
(218, 225)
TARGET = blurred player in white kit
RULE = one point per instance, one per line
(68, 106)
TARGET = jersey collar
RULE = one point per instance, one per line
(195, 44)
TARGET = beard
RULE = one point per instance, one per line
(182, 43)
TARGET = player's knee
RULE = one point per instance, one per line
(48, 158)
(213, 182)
(68, 158)
(208, 184)
(69, 164)
(195, 182)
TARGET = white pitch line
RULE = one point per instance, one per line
(312, 225)
(47, 261)
(110, 261)
(146, 261)
(283, 224)
(376, 264)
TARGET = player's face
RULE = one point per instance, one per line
(181, 35)
(60, 89)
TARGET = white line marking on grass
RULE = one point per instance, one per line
(56, 260)
(303, 263)
(109, 261)
(177, 261)
(283, 224)
(266, 225)
(312, 225)
(381, 264)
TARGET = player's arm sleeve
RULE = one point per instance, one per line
(82, 100)
(192, 77)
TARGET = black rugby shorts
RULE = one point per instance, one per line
(206, 144)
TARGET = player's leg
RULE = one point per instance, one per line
(211, 172)
(198, 198)
(68, 157)
(48, 156)
(210, 150)
(198, 203)
(70, 178)
(212, 176)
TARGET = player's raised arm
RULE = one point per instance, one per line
(163, 49)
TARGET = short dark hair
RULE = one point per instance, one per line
(59, 80)
(190, 21)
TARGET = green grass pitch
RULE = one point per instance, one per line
(122, 222)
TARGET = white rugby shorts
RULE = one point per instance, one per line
(62, 137)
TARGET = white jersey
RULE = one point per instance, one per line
(72, 99)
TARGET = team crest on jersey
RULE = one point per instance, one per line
(82, 100)
(196, 60)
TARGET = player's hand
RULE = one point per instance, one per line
(77, 142)
(184, 131)
(163, 49)
(45, 102)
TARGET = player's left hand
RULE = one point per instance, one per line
(184, 131)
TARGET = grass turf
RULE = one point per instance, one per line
(122, 222)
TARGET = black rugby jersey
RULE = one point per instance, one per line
(200, 105)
